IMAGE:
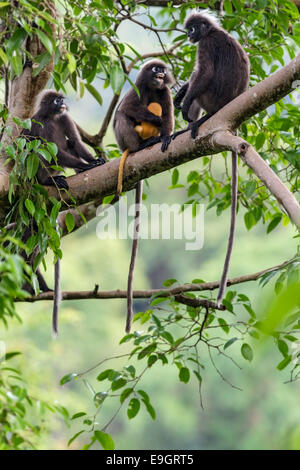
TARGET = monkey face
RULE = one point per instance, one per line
(157, 76)
(197, 28)
(53, 103)
(58, 105)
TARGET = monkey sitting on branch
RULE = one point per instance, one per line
(52, 123)
(221, 73)
(141, 121)
(152, 83)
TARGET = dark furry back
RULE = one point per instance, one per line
(231, 64)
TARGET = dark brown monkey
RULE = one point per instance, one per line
(52, 123)
(221, 74)
(153, 84)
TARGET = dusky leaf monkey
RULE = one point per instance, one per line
(221, 73)
(51, 123)
(153, 84)
(141, 121)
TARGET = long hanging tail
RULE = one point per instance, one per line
(138, 201)
(121, 170)
(234, 183)
(56, 298)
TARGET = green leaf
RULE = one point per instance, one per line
(175, 176)
(70, 222)
(16, 62)
(116, 78)
(147, 350)
(284, 363)
(105, 440)
(78, 415)
(247, 352)
(223, 325)
(260, 140)
(67, 378)
(32, 165)
(133, 408)
(184, 375)
(283, 347)
(149, 408)
(169, 282)
(250, 188)
(99, 398)
(119, 383)
(230, 342)
(125, 394)
(92, 90)
(3, 57)
(15, 42)
(71, 62)
(273, 224)
(29, 206)
(74, 437)
(45, 40)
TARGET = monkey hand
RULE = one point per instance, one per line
(60, 182)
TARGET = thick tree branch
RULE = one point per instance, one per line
(102, 181)
(146, 294)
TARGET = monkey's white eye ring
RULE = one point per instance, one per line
(192, 30)
(56, 101)
(155, 69)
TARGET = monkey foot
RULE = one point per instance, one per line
(194, 129)
(100, 161)
(60, 182)
(149, 142)
(166, 140)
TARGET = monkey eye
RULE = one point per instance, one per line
(57, 101)
(192, 29)
(155, 69)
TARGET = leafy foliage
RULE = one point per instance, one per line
(22, 416)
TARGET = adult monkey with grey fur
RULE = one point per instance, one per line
(153, 84)
(51, 123)
(221, 74)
